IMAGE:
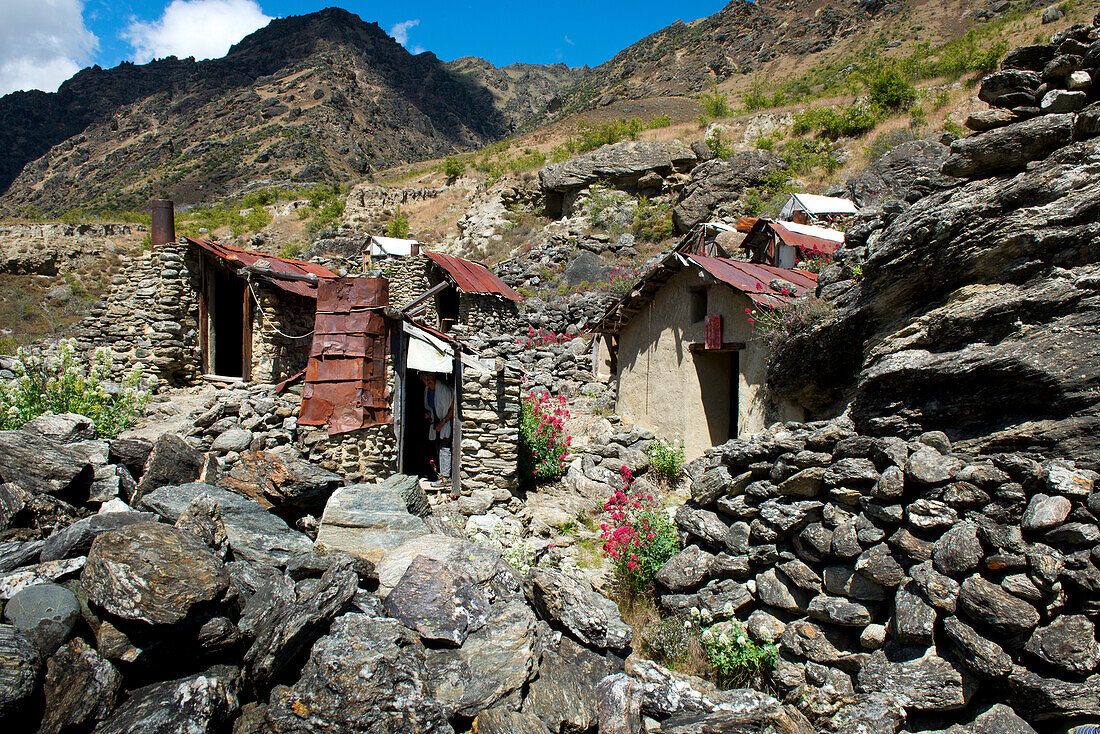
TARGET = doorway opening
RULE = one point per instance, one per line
(447, 305)
(719, 381)
(417, 450)
(734, 383)
(226, 313)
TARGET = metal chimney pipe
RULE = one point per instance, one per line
(415, 248)
(163, 228)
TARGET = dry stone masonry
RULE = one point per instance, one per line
(898, 575)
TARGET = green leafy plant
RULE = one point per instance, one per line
(774, 325)
(543, 442)
(714, 103)
(717, 146)
(652, 220)
(453, 167)
(640, 537)
(398, 226)
(891, 88)
(737, 660)
(60, 383)
(667, 458)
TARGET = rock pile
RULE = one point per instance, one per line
(904, 584)
(203, 611)
(1039, 102)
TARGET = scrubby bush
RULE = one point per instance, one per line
(774, 325)
(891, 89)
(667, 458)
(652, 221)
(609, 210)
(738, 662)
(398, 226)
(640, 537)
(453, 167)
(59, 383)
(714, 103)
(543, 442)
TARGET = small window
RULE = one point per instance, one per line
(698, 304)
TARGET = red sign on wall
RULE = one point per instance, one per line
(713, 331)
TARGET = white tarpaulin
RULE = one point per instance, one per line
(391, 246)
(428, 353)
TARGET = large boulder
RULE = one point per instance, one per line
(20, 663)
(620, 163)
(80, 689)
(367, 520)
(282, 618)
(481, 562)
(904, 173)
(333, 693)
(919, 679)
(716, 186)
(202, 704)
(40, 465)
(172, 461)
(590, 617)
(441, 602)
(255, 535)
(47, 613)
(563, 694)
(1008, 148)
(76, 540)
(282, 482)
(152, 573)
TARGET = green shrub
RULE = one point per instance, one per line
(833, 123)
(667, 459)
(291, 250)
(774, 325)
(717, 146)
(609, 210)
(653, 221)
(329, 214)
(714, 102)
(737, 660)
(543, 442)
(262, 197)
(58, 383)
(891, 89)
(754, 99)
(257, 218)
(658, 121)
(766, 199)
(398, 226)
(766, 143)
(454, 167)
(806, 155)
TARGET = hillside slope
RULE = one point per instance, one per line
(319, 97)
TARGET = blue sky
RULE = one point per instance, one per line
(43, 42)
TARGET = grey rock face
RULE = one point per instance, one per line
(905, 173)
(80, 689)
(47, 613)
(620, 707)
(494, 661)
(20, 662)
(367, 520)
(42, 466)
(234, 439)
(62, 428)
(593, 618)
(1010, 147)
(718, 184)
(341, 698)
(710, 484)
(921, 682)
(255, 535)
(1009, 88)
(502, 720)
(990, 604)
(442, 603)
(1068, 643)
(958, 551)
(985, 658)
(1045, 512)
(563, 695)
(282, 618)
(617, 162)
(1046, 698)
(914, 618)
(152, 573)
(172, 461)
(199, 703)
(686, 569)
(874, 713)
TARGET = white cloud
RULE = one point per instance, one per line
(400, 32)
(569, 41)
(42, 43)
(204, 29)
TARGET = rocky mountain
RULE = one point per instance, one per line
(684, 58)
(318, 97)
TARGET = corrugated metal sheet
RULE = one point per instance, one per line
(470, 277)
(275, 266)
(755, 280)
(345, 380)
(801, 236)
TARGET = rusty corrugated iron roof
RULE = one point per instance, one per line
(470, 277)
(804, 237)
(275, 267)
(755, 280)
(345, 380)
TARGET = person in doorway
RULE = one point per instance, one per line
(439, 409)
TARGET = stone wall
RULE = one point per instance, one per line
(902, 582)
(409, 277)
(489, 314)
(490, 413)
(150, 315)
(276, 356)
(366, 455)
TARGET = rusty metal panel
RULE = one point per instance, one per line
(470, 277)
(346, 387)
(277, 265)
(805, 241)
(712, 331)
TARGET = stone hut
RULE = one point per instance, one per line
(683, 350)
(785, 244)
(363, 401)
(195, 308)
(445, 291)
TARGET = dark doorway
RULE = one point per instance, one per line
(226, 324)
(418, 450)
(447, 304)
(718, 372)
